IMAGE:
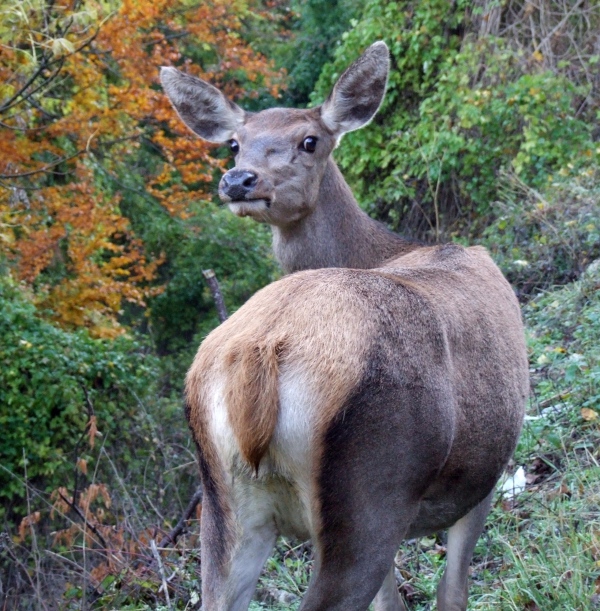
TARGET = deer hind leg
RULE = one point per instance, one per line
(255, 546)
(453, 589)
(388, 598)
(362, 523)
(349, 579)
(230, 571)
(369, 481)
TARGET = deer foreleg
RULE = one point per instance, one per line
(452, 591)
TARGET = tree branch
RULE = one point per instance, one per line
(44, 63)
(180, 526)
(84, 520)
(45, 168)
(215, 289)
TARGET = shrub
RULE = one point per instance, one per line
(459, 110)
(56, 387)
(545, 238)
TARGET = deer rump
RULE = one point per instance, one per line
(357, 408)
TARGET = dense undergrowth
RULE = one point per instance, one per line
(467, 103)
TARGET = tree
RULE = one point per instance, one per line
(79, 98)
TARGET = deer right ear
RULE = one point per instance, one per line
(202, 107)
(358, 93)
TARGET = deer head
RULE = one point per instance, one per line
(281, 154)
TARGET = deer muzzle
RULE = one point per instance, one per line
(238, 185)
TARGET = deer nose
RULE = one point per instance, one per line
(237, 184)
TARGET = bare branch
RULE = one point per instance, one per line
(45, 168)
(161, 570)
(215, 289)
(180, 526)
(22, 94)
(9, 103)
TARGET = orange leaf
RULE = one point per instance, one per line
(588, 414)
(93, 431)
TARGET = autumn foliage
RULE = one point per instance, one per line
(79, 96)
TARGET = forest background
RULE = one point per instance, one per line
(489, 133)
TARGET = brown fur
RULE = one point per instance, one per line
(440, 419)
(252, 395)
(252, 347)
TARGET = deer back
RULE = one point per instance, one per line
(438, 320)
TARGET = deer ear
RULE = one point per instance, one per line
(202, 107)
(358, 93)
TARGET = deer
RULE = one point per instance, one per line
(373, 394)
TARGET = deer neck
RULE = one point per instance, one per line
(337, 233)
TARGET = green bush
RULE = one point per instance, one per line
(545, 238)
(51, 383)
(458, 111)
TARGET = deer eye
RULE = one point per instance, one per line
(234, 146)
(309, 144)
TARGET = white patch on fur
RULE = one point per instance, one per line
(220, 428)
(292, 449)
(283, 486)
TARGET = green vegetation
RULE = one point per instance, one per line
(54, 386)
(545, 238)
(460, 109)
(489, 134)
(316, 28)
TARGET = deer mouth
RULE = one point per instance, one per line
(249, 207)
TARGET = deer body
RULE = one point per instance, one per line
(356, 407)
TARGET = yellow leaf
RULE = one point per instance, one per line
(537, 56)
(588, 414)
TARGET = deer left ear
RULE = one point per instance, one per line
(358, 93)
(203, 108)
